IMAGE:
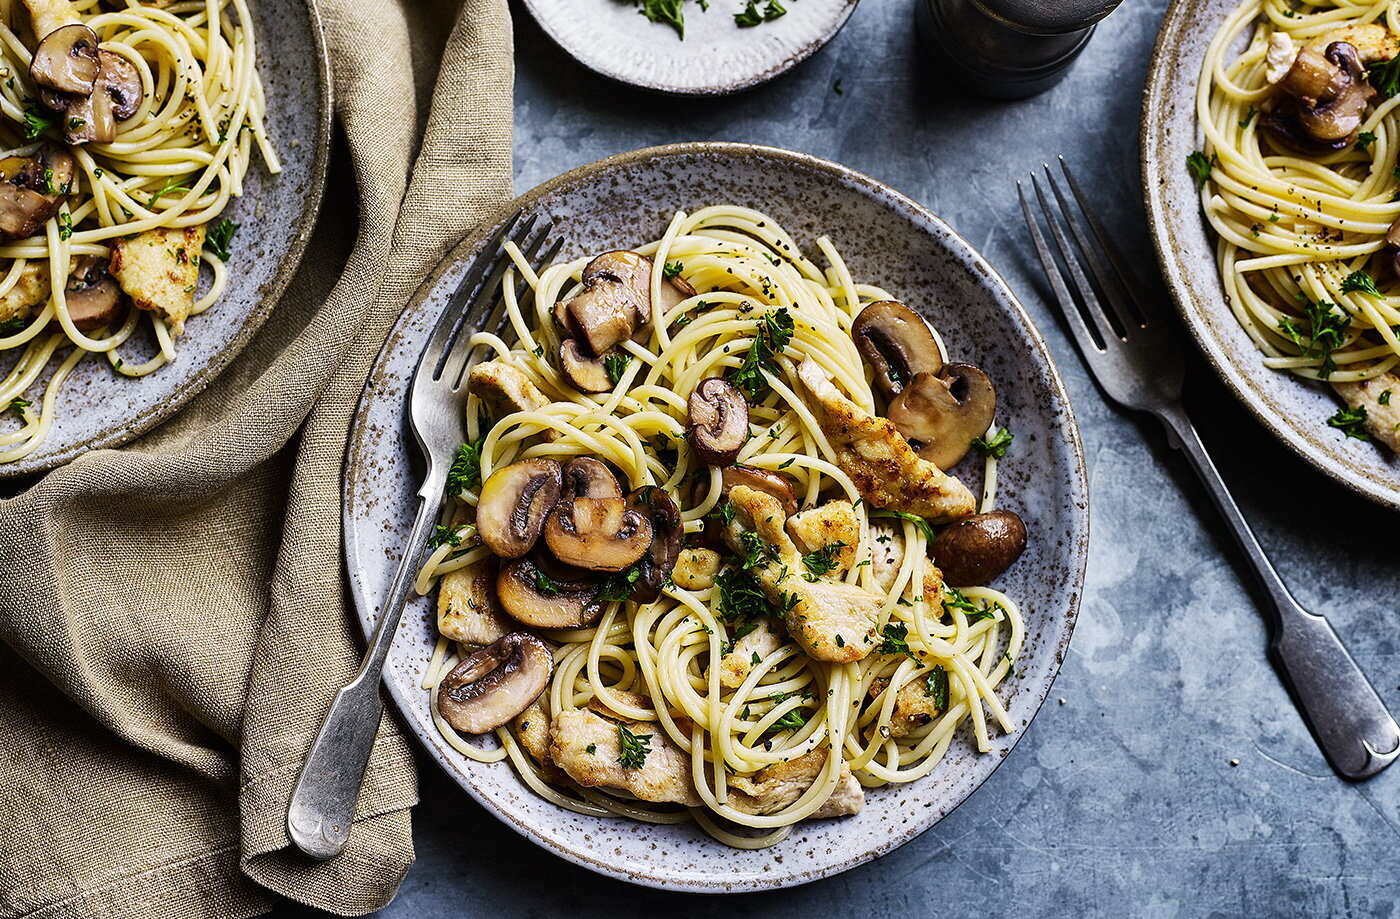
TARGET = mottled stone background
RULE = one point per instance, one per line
(1122, 800)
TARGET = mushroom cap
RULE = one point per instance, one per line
(770, 483)
(654, 567)
(496, 683)
(719, 421)
(632, 271)
(32, 188)
(602, 315)
(514, 503)
(548, 596)
(65, 60)
(599, 534)
(93, 296)
(587, 374)
(1326, 95)
(940, 416)
(93, 118)
(586, 477)
(897, 344)
(974, 550)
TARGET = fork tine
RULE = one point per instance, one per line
(447, 323)
(1093, 312)
(1126, 321)
(1126, 277)
(1086, 339)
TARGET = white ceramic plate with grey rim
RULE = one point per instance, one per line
(99, 408)
(886, 239)
(1294, 410)
(715, 57)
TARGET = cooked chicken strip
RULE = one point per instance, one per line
(505, 388)
(1372, 40)
(467, 607)
(586, 746)
(885, 469)
(532, 729)
(913, 705)
(159, 270)
(1382, 418)
(734, 667)
(819, 527)
(696, 569)
(28, 295)
(831, 620)
(888, 556)
(774, 788)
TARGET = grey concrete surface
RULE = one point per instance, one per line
(1125, 799)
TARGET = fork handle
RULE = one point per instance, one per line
(322, 807)
(1347, 717)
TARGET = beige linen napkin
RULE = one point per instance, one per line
(172, 613)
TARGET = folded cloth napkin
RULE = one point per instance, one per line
(172, 613)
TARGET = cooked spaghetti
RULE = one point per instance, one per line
(1300, 183)
(127, 128)
(709, 680)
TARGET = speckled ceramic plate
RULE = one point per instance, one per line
(1294, 410)
(612, 38)
(886, 239)
(98, 408)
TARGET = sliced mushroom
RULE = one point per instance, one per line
(586, 477)
(896, 343)
(495, 684)
(625, 267)
(601, 316)
(940, 416)
(976, 549)
(770, 483)
(116, 93)
(719, 421)
(599, 534)
(1325, 95)
(93, 297)
(514, 503)
(32, 188)
(588, 374)
(66, 60)
(548, 596)
(656, 565)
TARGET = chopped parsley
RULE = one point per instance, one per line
(465, 472)
(1364, 140)
(18, 405)
(65, 225)
(1248, 117)
(773, 331)
(751, 16)
(1359, 282)
(996, 445)
(545, 584)
(1385, 76)
(741, 599)
(1384, 398)
(37, 121)
(616, 364)
(1351, 422)
(671, 270)
(789, 722)
(446, 536)
(220, 235)
(634, 748)
(954, 599)
(936, 685)
(172, 184)
(1326, 331)
(12, 325)
(591, 749)
(757, 553)
(664, 11)
(896, 639)
(619, 586)
(1200, 166)
(923, 525)
(822, 561)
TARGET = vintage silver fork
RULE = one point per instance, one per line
(322, 807)
(1136, 360)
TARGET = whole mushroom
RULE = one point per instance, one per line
(514, 503)
(896, 343)
(496, 683)
(941, 415)
(719, 421)
(976, 549)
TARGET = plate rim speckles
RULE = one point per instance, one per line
(380, 483)
(750, 57)
(1290, 409)
(189, 379)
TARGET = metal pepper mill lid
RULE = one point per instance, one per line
(1008, 49)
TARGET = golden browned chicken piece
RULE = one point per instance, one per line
(532, 729)
(887, 555)
(885, 469)
(588, 747)
(505, 388)
(831, 620)
(831, 524)
(159, 270)
(1382, 418)
(735, 666)
(913, 705)
(467, 607)
(774, 788)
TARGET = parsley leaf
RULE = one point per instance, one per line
(896, 639)
(757, 553)
(750, 15)
(445, 535)
(616, 364)
(1351, 422)
(1384, 398)
(12, 325)
(671, 270)
(1200, 166)
(822, 561)
(956, 599)
(996, 445)
(618, 587)
(790, 721)
(220, 235)
(465, 472)
(1326, 331)
(1364, 140)
(1360, 282)
(920, 523)
(741, 599)
(664, 11)
(172, 184)
(772, 333)
(37, 121)
(1385, 76)
(545, 584)
(65, 225)
(634, 748)
(936, 685)
(18, 405)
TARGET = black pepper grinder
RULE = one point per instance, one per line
(1008, 49)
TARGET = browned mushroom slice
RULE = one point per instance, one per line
(514, 503)
(588, 374)
(976, 549)
(896, 343)
(32, 189)
(586, 477)
(1325, 97)
(666, 529)
(93, 297)
(599, 534)
(940, 416)
(719, 421)
(770, 483)
(496, 683)
(603, 315)
(547, 596)
(93, 118)
(625, 267)
(66, 60)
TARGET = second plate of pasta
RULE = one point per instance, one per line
(692, 526)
